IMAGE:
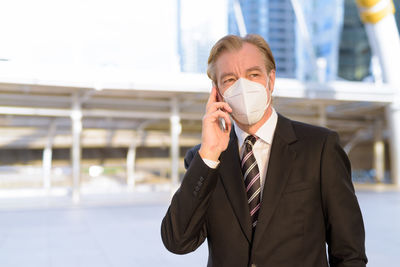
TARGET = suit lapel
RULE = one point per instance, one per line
(232, 180)
(279, 168)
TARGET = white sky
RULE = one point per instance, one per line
(198, 13)
(113, 33)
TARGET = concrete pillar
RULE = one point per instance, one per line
(76, 117)
(379, 152)
(176, 129)
(322, 115)
(130, 166)
(384, 39)
(393, 115)
(46, 165)
(47, 157)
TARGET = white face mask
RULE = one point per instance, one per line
(248, 100)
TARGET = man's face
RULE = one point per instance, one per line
(248, 63)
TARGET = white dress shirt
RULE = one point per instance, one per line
(261, 148)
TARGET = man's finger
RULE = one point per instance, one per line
(213, 97)
(219, 105)
(213, 117)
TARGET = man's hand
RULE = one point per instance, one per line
(213, 139)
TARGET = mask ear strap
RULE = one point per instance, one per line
(269, 98)
(220, 95)
(269, 94)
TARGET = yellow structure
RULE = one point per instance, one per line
(384, 40)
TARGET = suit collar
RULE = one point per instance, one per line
(284, 129)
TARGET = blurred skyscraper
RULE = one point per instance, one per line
(397, 14)
(275, 21)
(298, 39)
(355, 51)
(322, 39)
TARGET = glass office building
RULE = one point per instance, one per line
(275, 21)
(397, 14)
(298, 44)
(333, 45)
(326, 24)
(355, 52)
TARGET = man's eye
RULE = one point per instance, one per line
(230, 80)
(253, 75)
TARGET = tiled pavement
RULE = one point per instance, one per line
(124, 231)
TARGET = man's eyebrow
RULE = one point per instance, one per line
(254, 68)
(223, 75)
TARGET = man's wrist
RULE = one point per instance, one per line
(208, 154)
(210, 163)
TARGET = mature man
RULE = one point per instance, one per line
(265, 190)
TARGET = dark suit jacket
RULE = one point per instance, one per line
(308, 201)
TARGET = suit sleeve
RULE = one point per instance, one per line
(344, 224)
(183, 228)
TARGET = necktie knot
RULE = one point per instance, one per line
(250, 140)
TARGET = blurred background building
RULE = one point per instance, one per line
(355, 53)
(296, 38)
(112, 103)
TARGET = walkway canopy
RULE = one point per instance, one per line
(76, 113)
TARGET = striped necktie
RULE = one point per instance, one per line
(251, 176)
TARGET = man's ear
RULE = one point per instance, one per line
(219, 96)
(271, 83)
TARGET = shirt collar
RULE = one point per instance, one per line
(265, 132)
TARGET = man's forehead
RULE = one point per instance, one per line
(247, 57)
(246, 50)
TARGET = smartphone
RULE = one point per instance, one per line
(222, 124)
